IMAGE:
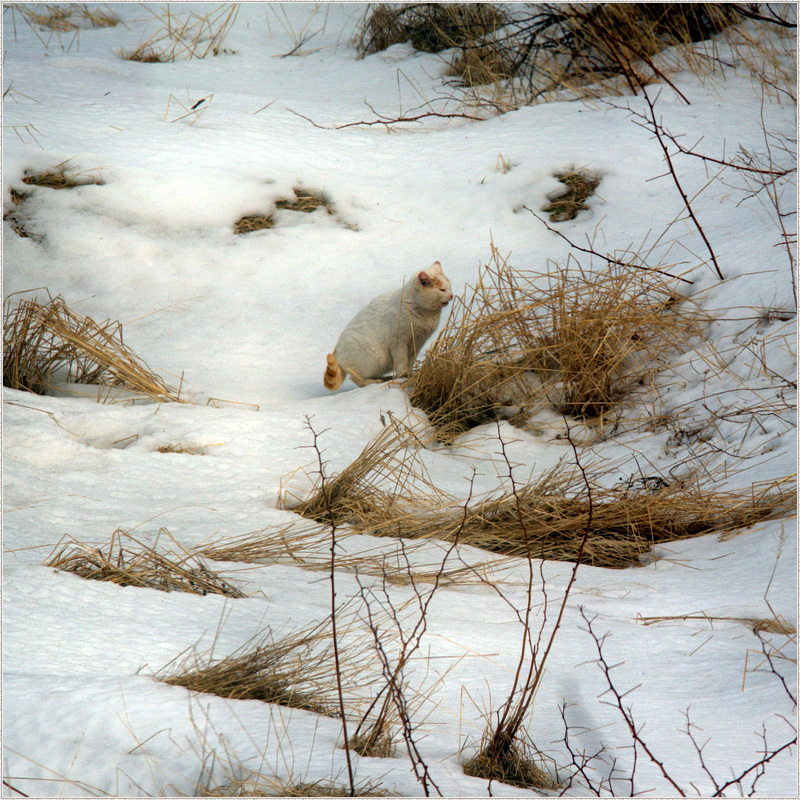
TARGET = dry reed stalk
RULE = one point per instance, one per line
(46, 343)
(296, 670)
(128, 562)
(579, 342)
(186, 37)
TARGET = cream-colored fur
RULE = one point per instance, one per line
(383, 339)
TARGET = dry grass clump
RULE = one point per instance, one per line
(257, 785)
(180, 37)
(48, 343)
(549, 519)
(253, 222)
(514, 762)
(569, 339)
(60, 178)
(304, 200)
(430, 27)
(128, 562)
(386, 481)
(57, 178)
(17, 219)
(580, 185)
(62, 18)
(297, 670)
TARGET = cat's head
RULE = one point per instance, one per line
(435, 286)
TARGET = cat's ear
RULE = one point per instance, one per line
(425, 276)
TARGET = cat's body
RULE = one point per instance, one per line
(386, 335)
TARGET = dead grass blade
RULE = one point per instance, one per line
(128, 562)
(181, 37)
(296, 670)
(48, 343)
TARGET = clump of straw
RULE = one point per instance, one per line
(128, 562)
(570, 339)
(579, 186)
(297, 670)
(48, 343)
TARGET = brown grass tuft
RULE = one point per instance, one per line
(548, 519)
(580, 185)
(253, 222)
(257, 785)
(385, 482)
(430, 27)
(306, 201)
(296, 670)
(60, 178)
(516, 763)
(578, 342)
(48, 343)
(128, 562)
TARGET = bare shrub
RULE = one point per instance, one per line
(128, 562)
(47, 343)
(586, 50)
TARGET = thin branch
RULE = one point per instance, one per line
(658, 131)
(386, 120)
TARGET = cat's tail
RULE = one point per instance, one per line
(334, 374)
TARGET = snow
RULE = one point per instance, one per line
(247, 320)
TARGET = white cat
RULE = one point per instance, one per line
(386, 335)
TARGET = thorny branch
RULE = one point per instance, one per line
(335, 638)
(625, 711)
(409, 644)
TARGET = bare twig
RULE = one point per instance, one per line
(386, 120)
(625, 711)
(335, 641)
(657, 129)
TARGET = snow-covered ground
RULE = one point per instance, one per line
(248, 319)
